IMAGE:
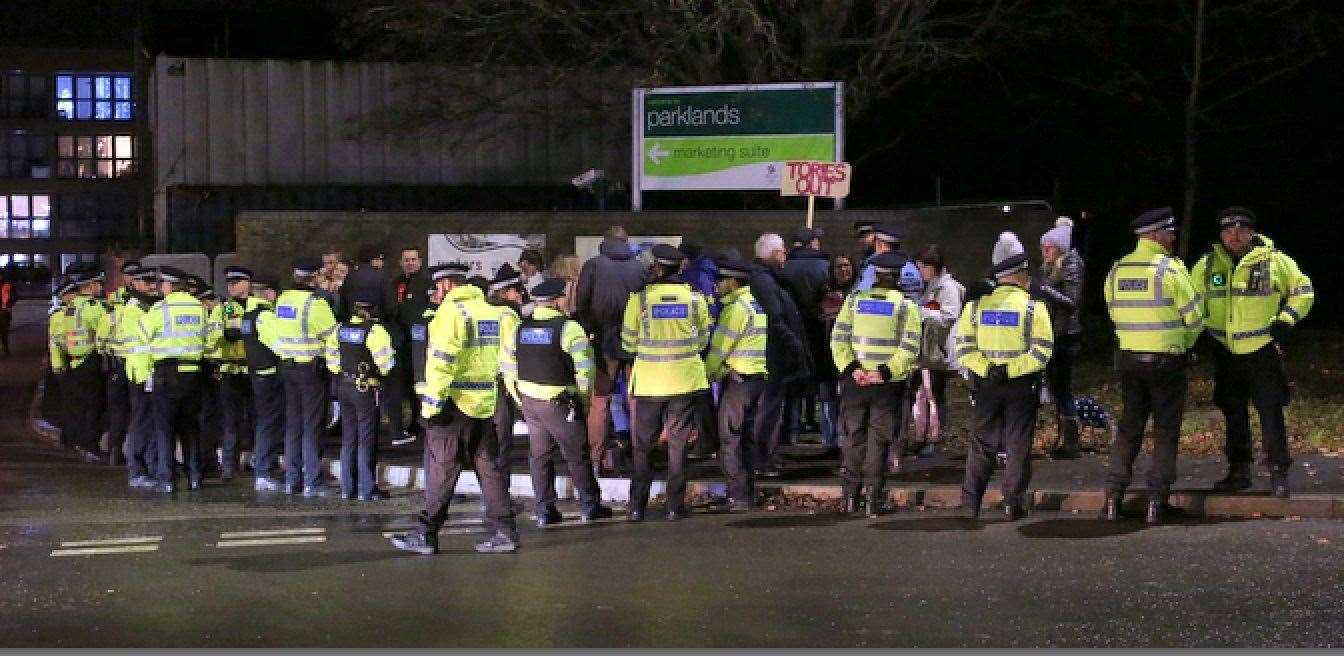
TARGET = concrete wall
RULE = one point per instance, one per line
(269, 240)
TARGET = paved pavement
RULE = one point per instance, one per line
(85, 562)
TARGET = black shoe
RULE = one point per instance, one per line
(1013, 512)
(314, 492)
(676, 514)
(851, 505)
(1110, 507)
(293, 488)
(165, 488)
(417, 543)
(1278, 482)
(266, 484)
(500, 542)
(1238, 478)
(773, 471)
(1158, 510)
(633, 515)
(735, 506)
(598, 512)
(547, 516)
(875, 506)
(407, 437)
(225, 476)
(115, 457)
(971, 509)
(194, 484)
(376, 495)
(142, 483)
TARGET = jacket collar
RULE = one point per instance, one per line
(542, 313)
(465, 293)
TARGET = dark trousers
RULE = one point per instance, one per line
(505, 416)
(1059, 374)
(1005, 418)
(738, 401)
(209, 419)
(399, 391)
(775, 417)
(82, 394)
(871, 418)
(359, 435)
(141, 445)
(118, 406)
(451, 440)
(233, 392)
(6, 316)
(1258, 379)
(305, 406)
(176, 403)
(653, 416)
(268, 396)
(550, 425)
(1150, 384)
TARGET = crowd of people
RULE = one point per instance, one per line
(675, 347)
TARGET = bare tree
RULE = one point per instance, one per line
(591, 54)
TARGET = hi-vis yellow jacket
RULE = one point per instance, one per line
(1243, 298)
(463, 353)
(877, 330)
(1008, 328)
(666, 327)
(1152, 302)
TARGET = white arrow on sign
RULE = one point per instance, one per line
(656, 153)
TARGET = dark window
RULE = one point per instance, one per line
(94, 96)
(24, 155)
(24, 95)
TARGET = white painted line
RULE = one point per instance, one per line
(263, 542)
(94, 551)
(273, 532)
(113, 541)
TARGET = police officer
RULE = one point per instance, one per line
(1253, 295)
(257, 330)
(303, 320)
(226, 349)
(736, 360)
(505, 292)
(548, 367)
(360, 352)
(458, 402)
(73, 333)
(109, 341)
(1157, 316)
(1005, 340)
(136, 369)
(440, 286)
(874, 345)
(666, 326)
(173, 331)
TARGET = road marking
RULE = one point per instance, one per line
(94, 551)
(140, 539)
(264, 542)
(443, 531)
(271, 533)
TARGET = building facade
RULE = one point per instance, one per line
(72, 159)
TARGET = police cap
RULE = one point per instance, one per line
(67, 287)
(236, 273)
(172, 274)
(450, 270)
(864, 227)
(1162, 218)
(548, 289)
(887, 233)
(733, 268)
(804, 235)
(266, 282)
(667, 255)
(505, 277)
(1235, 216)
(307, 266)
(131, 267)
(888, 262)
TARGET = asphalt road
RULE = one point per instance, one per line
(85, 562)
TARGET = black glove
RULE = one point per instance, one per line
(1280, 330)
(998, 373)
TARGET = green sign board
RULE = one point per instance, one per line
(732, 137)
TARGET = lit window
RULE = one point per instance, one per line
(98, 97)
(103, 156)
(27, 216)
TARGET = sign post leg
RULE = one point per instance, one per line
(811, 208)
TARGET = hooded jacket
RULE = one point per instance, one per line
(605, 284)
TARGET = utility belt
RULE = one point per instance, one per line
(363, 380)
(1143, 357)
(178, 365)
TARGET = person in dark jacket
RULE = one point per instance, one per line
(605, 284)
(788, 359)
(1060, 285)
(369, 280)
(700, 273)
(807, 271)
(410, 292)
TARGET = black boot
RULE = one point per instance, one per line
(1278, 482)
(1157, 509)
(425, 544)
(1013, 511)
(1068, 439)
(971, 508)
(851, 504)
(1238, 478)
(875, 503)
(547, 515)
(1110, 507)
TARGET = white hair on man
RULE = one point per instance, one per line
(767, 244)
